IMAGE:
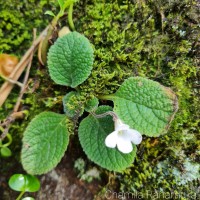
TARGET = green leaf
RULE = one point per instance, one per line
(6, 152)
(72, 104)
(91, 104)
(28, 198)
(49, 12)
(17, 182)
(61, 3)
(44, 143)
(68, 3)
(21, 182)
(92, 133)
(32, 183)
(70, 59)
(145, 105)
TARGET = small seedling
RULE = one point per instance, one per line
(64, 5)
(24, 183)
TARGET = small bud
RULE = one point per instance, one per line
(64, 31)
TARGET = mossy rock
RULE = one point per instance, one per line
(151, 39)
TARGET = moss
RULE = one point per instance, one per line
(154, 39)
(18, 18)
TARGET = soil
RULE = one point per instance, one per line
(61, 183)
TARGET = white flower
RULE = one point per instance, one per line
(123, 137)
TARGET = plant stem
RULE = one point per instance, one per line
(111, 113)
(70, 20)
(107, 97)
(20, 195)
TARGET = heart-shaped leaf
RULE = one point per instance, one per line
(70, 59)
(21, 182)
(44, 143)
(92, 134)
(145, 105)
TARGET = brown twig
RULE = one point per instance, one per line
(5, 132)
(9, 120)
(7, 86)
(22, 91)
(12, 81)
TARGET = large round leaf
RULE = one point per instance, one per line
(44, 143)
(92, 134)
(70, 59)
(145, 105)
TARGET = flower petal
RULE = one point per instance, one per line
(134, 136)
(111, 139)
(119, 125)
(125, 146)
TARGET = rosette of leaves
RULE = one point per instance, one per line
(143, 104)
